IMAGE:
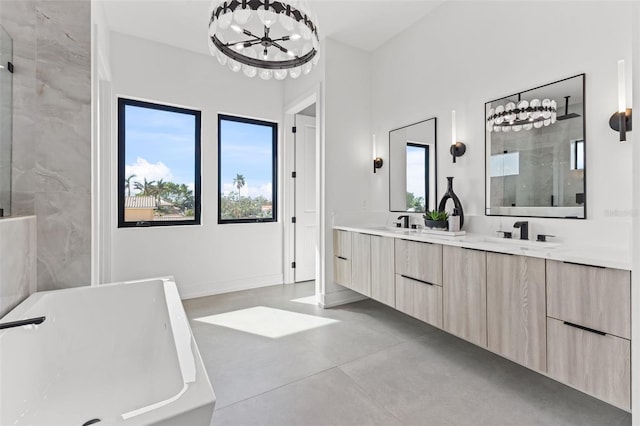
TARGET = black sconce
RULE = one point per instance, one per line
(457, 148)
(377, 161)
(621, 120)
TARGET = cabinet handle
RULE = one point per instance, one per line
(583, 264)
(413, 279)
(582, 327)
(342, 258)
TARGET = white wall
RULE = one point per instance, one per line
(210, 258)
(466, 53)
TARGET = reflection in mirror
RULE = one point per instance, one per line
(535, 152)
(412, 167)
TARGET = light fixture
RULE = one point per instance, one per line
(263, 37)
(457, 148)
(621, 120)
(377, 161)
(523, 115)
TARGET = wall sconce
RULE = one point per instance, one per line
(457, 148)
(621, 120)
(377, 161)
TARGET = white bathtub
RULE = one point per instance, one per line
(122, 353)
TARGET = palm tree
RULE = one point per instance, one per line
(146, 188)
(161, 187)
(127, 184)
(238, 182)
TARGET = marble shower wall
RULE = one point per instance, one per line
(52, 132)
(17, 261)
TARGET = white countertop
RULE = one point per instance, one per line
(588, 255)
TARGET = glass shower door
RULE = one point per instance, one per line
(6, 120)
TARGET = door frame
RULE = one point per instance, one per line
(311, 97)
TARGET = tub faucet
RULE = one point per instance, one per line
(405, 220)
(524, 229)
(20, 323)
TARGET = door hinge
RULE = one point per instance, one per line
(293, 265)
(293, 174)
(293, 219)
(294, 129)
(10, 67)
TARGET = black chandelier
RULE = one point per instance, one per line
(263, 37)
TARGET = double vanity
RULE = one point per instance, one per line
(563, 313)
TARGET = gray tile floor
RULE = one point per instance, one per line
(373, 365)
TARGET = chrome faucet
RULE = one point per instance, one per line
(405, 220)
(524, 229)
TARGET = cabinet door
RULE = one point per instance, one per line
(382, 271)
(342, 243)
(598, 298)
(465, 293)
(361, 263)
(596, 364)
(419, 299)
(422, 261)
(516, 314)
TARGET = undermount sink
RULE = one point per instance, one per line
(522, 244)
(393, 229)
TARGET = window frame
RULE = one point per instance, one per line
(122, 104)
(274, 168)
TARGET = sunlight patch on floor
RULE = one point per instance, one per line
(268, 322)
(309, 300)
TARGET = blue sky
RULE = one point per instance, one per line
(247, 150)
(159, 144)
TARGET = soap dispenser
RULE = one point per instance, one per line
(454, 221)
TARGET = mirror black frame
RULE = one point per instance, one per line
(427, 179)
(487, 201)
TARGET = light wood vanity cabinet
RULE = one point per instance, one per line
(516, 314)
(382, 272)
(465, 293)
(569, 321)
(342, 257)
(361, 263)
(588, 329)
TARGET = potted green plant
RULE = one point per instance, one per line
(436, 219)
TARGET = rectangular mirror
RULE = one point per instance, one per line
(412, 167)
(535, 152)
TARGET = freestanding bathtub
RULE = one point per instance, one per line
(112, 354)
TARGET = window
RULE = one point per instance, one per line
(577, 154)
(507, 164)
(158, 164)
(247, 170)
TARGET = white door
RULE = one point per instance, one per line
(305, 201)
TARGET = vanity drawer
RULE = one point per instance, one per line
(419, 299)
(342, 243)
(422, 261)
(597, 298)
(599, 365)
(342, 271)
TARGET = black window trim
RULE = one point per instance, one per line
(274, 168)
(122, 103)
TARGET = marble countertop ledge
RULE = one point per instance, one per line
(608, 257)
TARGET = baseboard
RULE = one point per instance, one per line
(213, 288)
(338, 298)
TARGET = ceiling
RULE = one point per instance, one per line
(364, 24)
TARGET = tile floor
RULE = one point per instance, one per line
(369, 364)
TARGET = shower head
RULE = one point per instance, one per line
(566, 114)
